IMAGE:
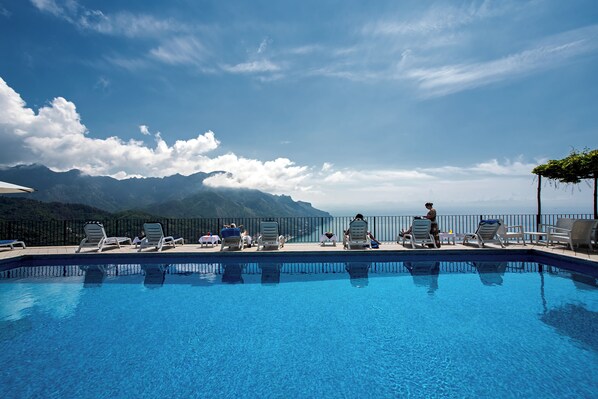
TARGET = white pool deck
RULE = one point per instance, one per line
(195, 248)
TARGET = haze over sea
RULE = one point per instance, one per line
(352, 106)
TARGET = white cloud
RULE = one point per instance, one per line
(122, 23)
(252, 67)
(144, 130)
(439, 19)
(102, 84)
(448, 79)
(49, 6)
(4, 12)
(56, 137)
(263, 46)
(180, 50)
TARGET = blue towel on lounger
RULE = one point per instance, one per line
(489, 221)
(230, 232)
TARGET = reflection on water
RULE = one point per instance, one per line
(358, 273)
(574, 321)
(270, 273)
(233, 273)
(584, 282)
(491, 273)
(58, 300)
(425, 274)
(94, 275)
(154, 275)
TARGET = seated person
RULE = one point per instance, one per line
(432, 216)
(375, 243)
(247, 240)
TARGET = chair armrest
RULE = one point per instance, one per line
(545, 227)
(517, 227)
(559, 230)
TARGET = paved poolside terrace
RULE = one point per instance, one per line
(295, 248)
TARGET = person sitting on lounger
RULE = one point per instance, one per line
(375, 243)
(432, 216)
(246, 238)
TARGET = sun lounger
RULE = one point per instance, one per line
(487, 232)
(231, 238)
(154, 237)
(357, 237)
(11, 244)
(420, 234)
(96, 238)
(269, 237)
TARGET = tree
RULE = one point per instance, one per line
(573, 169)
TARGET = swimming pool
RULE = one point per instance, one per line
(344, 326)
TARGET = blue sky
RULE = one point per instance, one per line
(353, 106)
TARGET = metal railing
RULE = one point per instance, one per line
(296, 229)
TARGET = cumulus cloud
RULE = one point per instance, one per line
(56, 137)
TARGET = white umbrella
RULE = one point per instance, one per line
(8, 188)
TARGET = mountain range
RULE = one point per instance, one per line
(174, 196)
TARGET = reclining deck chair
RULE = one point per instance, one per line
(12, 243)
(487, 232)
(231, 238)
(420, 233)
(269, 236)
(154, 237)
(357, 236)
(96, 238)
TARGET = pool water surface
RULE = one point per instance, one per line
(280, 330)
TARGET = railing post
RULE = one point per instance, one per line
(64, 232)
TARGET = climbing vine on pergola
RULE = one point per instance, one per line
(573, 169)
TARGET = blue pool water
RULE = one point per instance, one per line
(282, 330)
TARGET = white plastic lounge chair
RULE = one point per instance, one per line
(487, 232)
(231, 238)
(420, 234)
(357, 236)
(12, 243)
(154, 237)
(96, 239)
(269, 237)
(507, 233)
(579, 234)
